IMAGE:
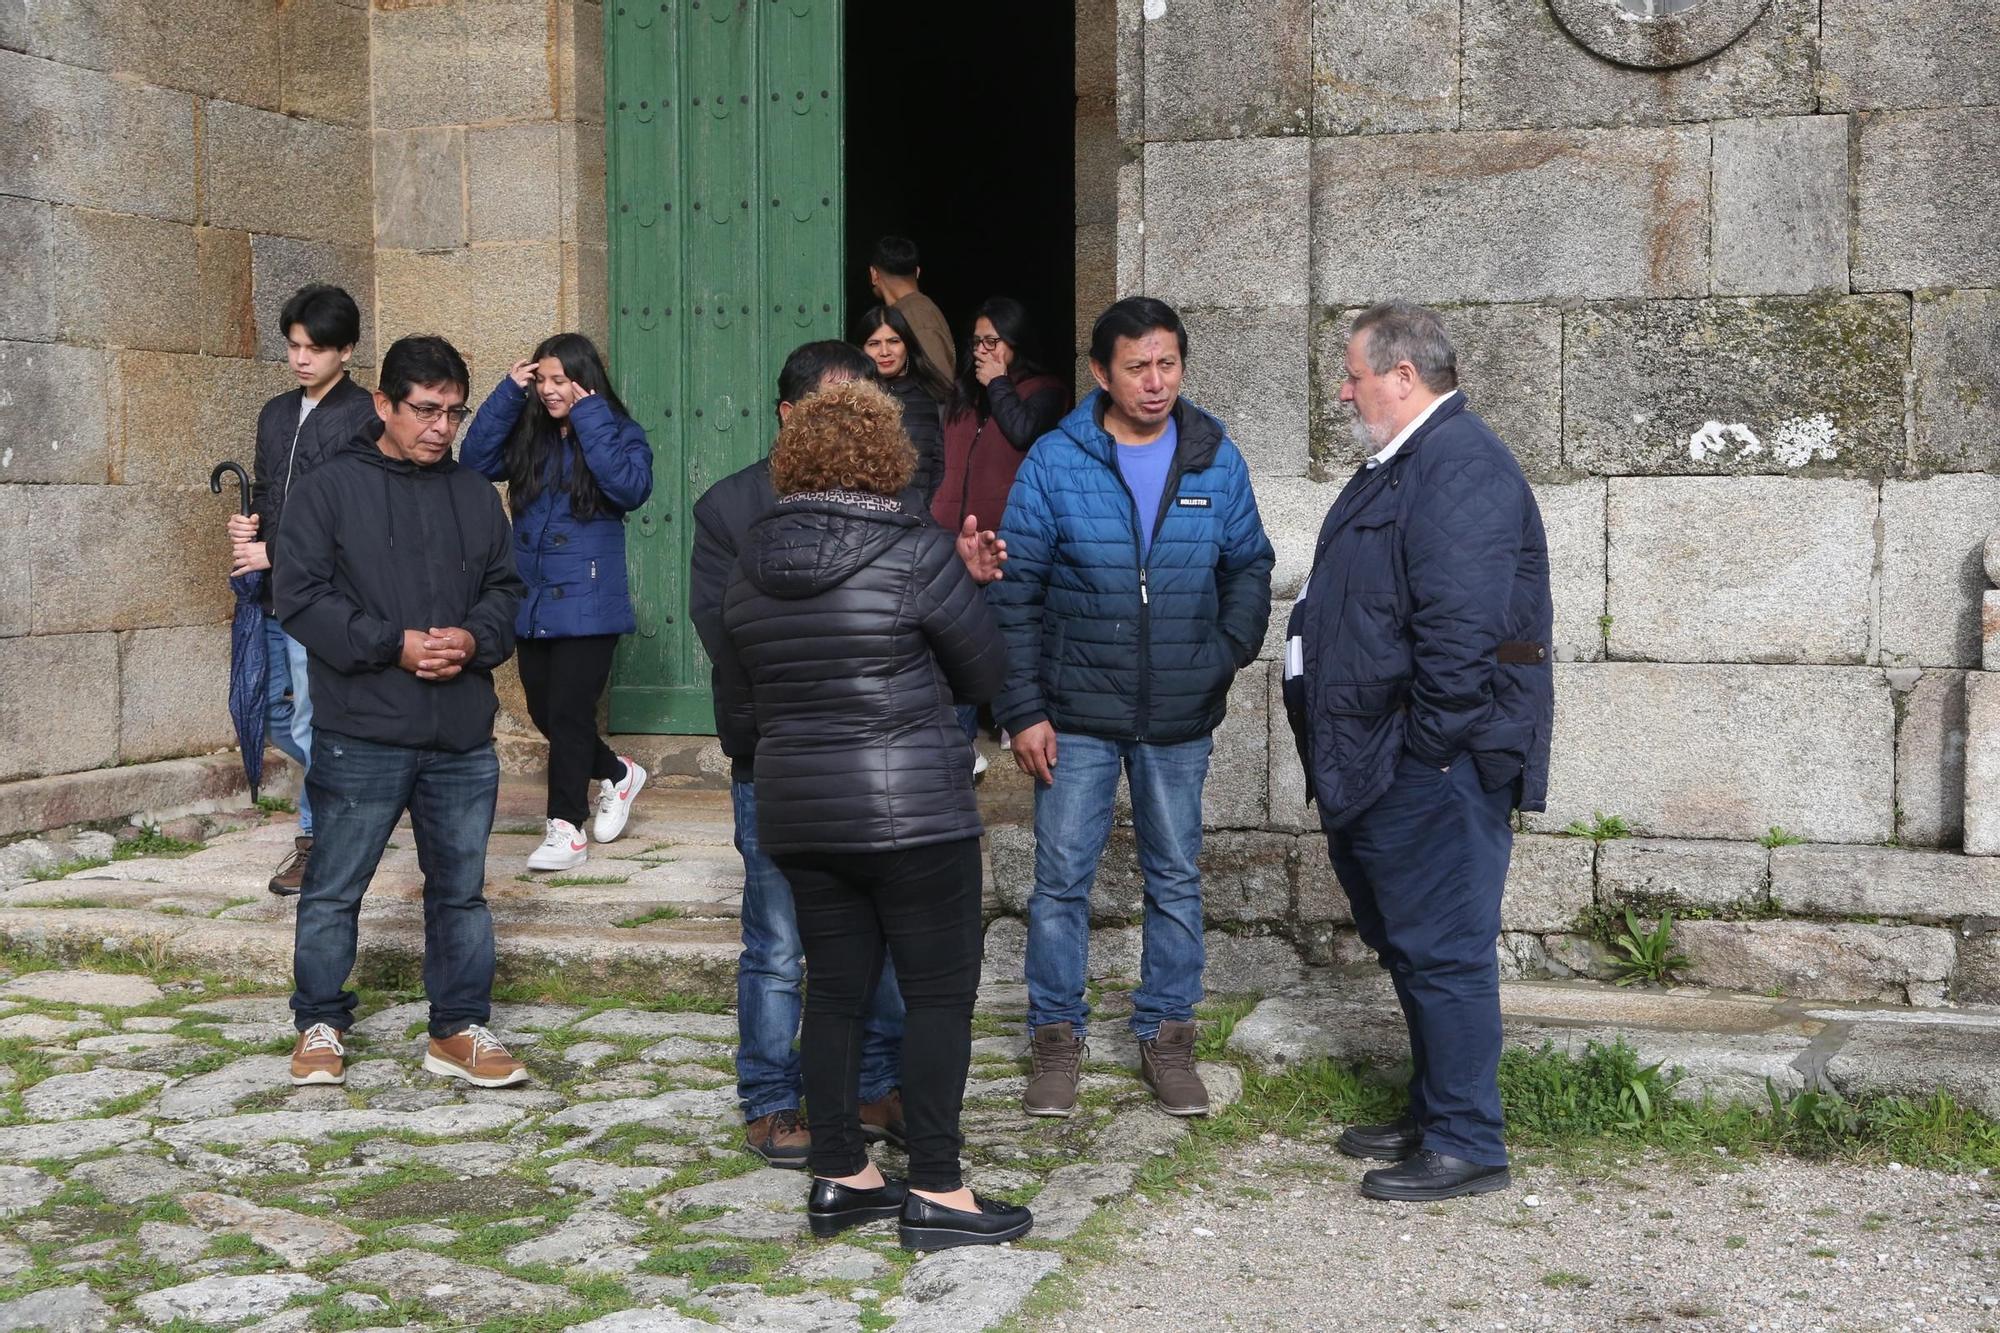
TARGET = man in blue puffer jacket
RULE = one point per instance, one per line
(1418, 683)
(1138, 583)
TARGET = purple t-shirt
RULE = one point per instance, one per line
(1145, 468)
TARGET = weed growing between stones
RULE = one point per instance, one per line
(1777, 837)
(1601, 828)
(277, 805)
(1649, 956)
(152, 842)
(648, 918)
(66, 869)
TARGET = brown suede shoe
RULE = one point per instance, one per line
(883, 1119)
(476, 1056)
(1166, 1065)
(1056, 1053)
(291, 876)
(781, 1139)
(318, 1056)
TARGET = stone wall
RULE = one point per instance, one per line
(170, 172)
(1737, 320)
(161, 193)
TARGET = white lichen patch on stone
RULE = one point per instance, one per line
(1714, 437)
(1802, 439)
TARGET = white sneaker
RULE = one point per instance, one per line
(614, 802)
(978, 762)
(565, 848)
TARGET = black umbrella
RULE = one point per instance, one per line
(248, 664)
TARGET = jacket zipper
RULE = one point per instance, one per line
(1168, 491)
(965, 482)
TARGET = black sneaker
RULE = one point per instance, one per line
(835, 1207)
(932, 1226)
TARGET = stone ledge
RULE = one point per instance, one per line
(159, 791)
(1847, 881)
(1726, 1045)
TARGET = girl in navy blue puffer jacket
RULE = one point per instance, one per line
(575, 464)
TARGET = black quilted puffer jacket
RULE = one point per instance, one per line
(853, 630)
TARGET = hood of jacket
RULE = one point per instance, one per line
(1198, 435)
(806, 547)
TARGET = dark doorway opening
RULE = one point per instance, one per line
(960, 135)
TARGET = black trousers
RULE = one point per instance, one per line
(564, 679)
(922, 905)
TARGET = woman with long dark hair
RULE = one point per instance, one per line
(575, 464)
(1004, 401)
(918, 385)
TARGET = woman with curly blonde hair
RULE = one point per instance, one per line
(851, 626)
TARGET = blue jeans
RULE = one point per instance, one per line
(770, 977)
(361, 789)
(1423, 868)
(968, 719)
(1072, 821)
(288, 712)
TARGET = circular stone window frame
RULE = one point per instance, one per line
(1610, 30)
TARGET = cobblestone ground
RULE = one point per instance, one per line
(161, 1170)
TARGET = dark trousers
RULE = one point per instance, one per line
(1424, 868)
(922, 905)
(564, 679)
(359, 790)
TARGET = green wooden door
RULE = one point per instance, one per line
(723, 147)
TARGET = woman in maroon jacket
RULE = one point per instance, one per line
(1004, 403)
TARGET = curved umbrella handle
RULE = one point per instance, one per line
(242, 484)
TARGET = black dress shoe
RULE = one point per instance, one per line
(932, 1226)
(834, 1207)
(1431, 1175)
(1382, 1143)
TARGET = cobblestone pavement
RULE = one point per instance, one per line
(158, 1167)
(157, 1170)
(1279, 1238)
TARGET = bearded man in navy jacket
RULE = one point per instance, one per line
(1418, 683)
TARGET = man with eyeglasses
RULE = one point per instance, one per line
(399, 580)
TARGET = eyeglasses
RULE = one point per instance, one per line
(428, 413)
(986, 342)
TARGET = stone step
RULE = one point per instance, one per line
(1726, 1044)
(686, 956)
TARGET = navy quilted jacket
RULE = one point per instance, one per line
(574, 568)
(1425, 567)
(1100, 644)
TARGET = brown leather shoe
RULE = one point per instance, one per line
(1056, 1055)
(476, 1056)
(1166, 1065)
(318, 1056)
(781, 1139)
(883, 1119)
(291, 876)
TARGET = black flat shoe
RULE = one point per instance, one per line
(1382, 1143)
(834, 1207)
(932, 1226)
(1429, 1176)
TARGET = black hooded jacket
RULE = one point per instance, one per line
(852, 631)
(288, 448)
(374, 546)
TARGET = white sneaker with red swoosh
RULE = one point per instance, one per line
(614, 801)
(565, 848)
